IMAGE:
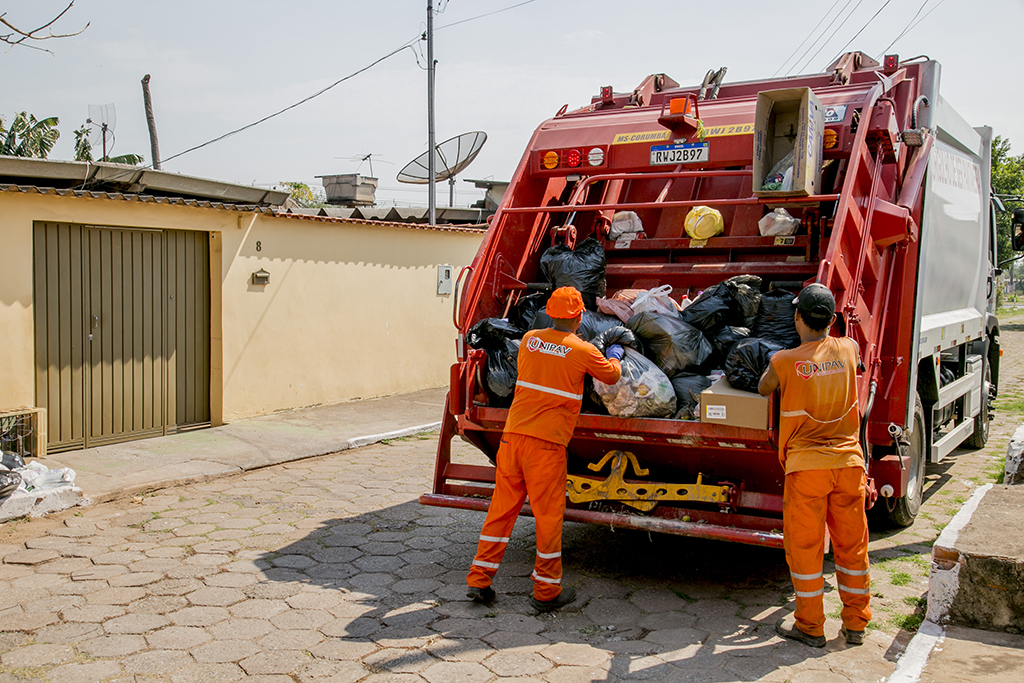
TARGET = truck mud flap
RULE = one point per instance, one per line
(660, 524)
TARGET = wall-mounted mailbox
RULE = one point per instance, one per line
(261, 277)
(444, 280)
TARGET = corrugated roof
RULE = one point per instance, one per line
(207, 204)
(110, 177)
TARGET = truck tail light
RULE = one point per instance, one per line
(573, 158)
(891, 63)
(595, 157)
(607, 94)
(549, 160)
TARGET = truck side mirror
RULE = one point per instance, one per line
(1017, 229)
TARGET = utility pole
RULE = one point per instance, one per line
(430, 113)
(154, 147)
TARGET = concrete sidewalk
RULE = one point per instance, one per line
(109, 472)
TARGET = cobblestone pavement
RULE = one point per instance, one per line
(329, 570)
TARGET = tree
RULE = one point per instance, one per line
(28, 137)
(17, 36)
(83, 150)
(1007, 181)
(305, 196)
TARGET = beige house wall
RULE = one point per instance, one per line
(351, 310)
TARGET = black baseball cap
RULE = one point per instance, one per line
(816, 301)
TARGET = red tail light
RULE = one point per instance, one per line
(573, 158)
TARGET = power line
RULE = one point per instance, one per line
(481, 16)
(815, 41)
(849, 42)
(910, 28)
(838, 28)
(809, 33)
(289, 107)
(407, 44)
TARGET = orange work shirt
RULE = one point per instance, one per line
(549, 390)
(820, 420)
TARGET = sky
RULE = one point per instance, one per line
(218, 65)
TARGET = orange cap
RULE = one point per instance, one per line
(565, 303)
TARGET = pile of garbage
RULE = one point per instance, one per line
(673, 349)
(18, 476)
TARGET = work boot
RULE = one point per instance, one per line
(482, 595)
(852, 637)
(567, 595)
(794, 633)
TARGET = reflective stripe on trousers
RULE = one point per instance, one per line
(534, 467)
(812, 499)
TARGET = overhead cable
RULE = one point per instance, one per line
(809, 33)
(850, 41)
(813, 43)
(910, 27)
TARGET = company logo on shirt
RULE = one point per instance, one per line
(550, 348)
(806, 369)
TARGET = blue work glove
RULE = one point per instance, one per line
(614, 351)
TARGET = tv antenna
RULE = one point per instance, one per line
(450, 158)
(367, 158)
(102, 120)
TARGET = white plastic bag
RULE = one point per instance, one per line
(656, 300)
(778, 223)
(625, 225)
(643, 390)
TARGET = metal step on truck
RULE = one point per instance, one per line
(892, 192)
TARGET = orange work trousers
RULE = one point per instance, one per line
(534, 467)
(812, 499)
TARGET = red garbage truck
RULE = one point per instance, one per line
(891, 189)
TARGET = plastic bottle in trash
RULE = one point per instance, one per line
(64, 476)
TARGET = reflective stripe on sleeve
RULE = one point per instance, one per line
(548, 556)
(855, 591)
(494, 539)
(810, 594)
(549, 390)
(489, 565)
(805, 577)
(853, 572)
(545, 579)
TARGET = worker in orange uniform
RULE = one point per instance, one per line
(531, 459)
(820, 451)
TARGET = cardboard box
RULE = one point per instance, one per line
(784, 120)
(723, 405)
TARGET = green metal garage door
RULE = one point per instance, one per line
(122, 330)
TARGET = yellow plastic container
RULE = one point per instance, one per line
(703, 222)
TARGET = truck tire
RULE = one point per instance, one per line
(982, 422)
(905, 509)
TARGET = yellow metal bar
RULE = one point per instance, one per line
(644, 495)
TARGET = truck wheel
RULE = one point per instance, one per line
(982, 423)
(906, 508)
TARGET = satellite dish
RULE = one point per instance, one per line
(451, 157)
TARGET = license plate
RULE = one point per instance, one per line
(662, 155)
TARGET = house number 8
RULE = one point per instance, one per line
(259, 246)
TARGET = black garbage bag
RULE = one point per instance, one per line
(502, 373)
(726, 337)
(721, 343)
(526, 309)
(748, 360)
(582, 269)
(591, 324)
(623, 336)
(714, 308)
(669, 341)
(491, 333)
(643, 390)
(498, 338)
(745, 291)
(688, 387)
(775, 319)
